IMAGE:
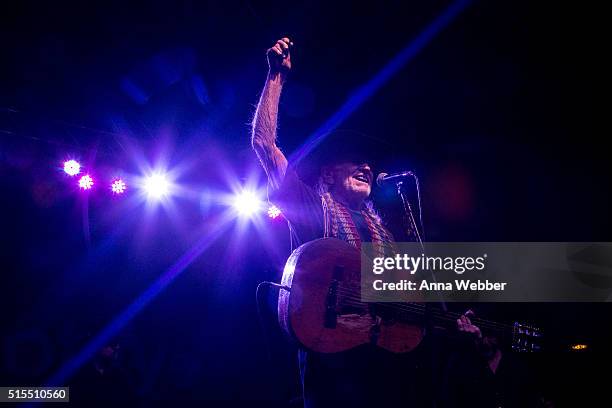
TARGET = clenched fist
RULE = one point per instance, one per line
(279, 58)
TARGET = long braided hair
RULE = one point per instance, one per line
(338, 222)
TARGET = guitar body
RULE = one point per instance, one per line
(323, 311)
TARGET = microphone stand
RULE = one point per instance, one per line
(413, 225)
(408, 212)
(428, 320)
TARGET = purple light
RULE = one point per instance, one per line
(86, 182)
(72, 167)
(273, 211)
(247, 203)
(157, 186)
(118, 186)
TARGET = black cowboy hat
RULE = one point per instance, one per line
(341, 146)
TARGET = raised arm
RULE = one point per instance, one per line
(263, 137)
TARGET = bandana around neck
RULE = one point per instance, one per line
(339, 224)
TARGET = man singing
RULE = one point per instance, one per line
(337, 206)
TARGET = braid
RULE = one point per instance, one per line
(339, 224)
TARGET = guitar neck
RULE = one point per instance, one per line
(519, 336)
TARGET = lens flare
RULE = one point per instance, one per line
(72, 167)
(118, 186)
(273, 212)
(156, 186)
(86, 182)
(247, 203)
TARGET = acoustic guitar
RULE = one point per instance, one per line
(320, 307)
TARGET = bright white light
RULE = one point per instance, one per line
(118, 186)
(72, 167)
(247, 203)
(156, 186)
(273, 211)
(86, 182)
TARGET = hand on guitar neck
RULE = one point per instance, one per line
(488, 346)
(464, 324)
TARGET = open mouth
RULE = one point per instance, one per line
(362, 177)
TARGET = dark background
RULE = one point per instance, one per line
(498, 116)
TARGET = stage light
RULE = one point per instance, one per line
(579, 347)
(247, 203)
(86, 182)
(72, 167)
(273, 211)
(156, 185)
(118, 186)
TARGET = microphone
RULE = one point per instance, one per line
(385, 178)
